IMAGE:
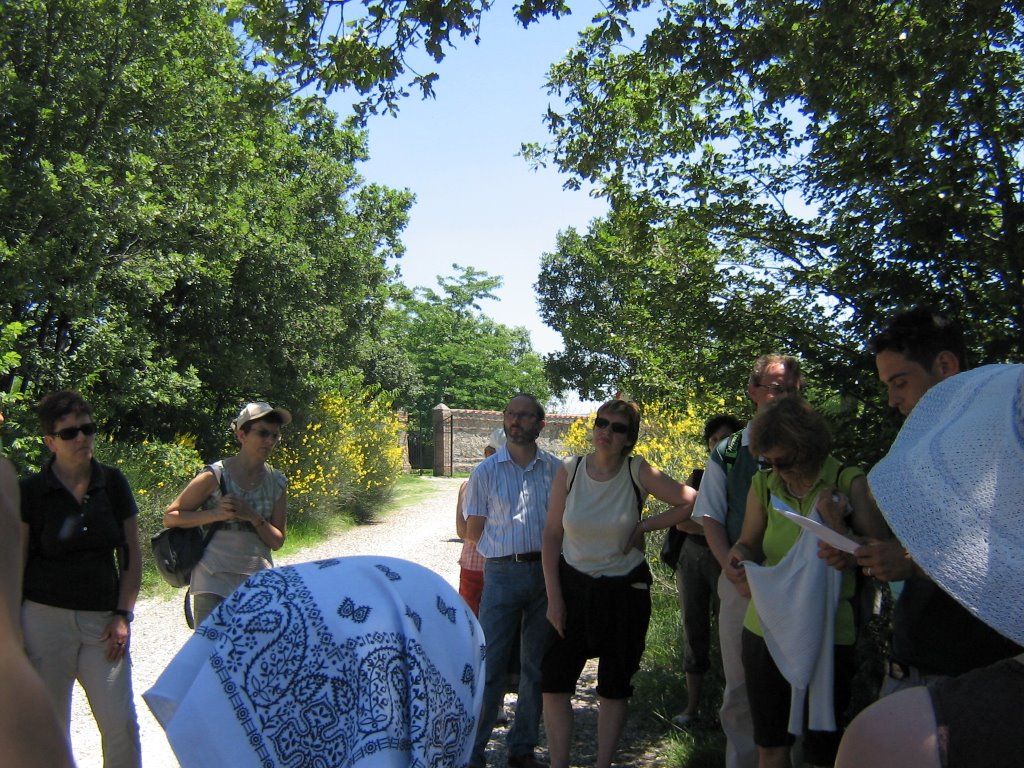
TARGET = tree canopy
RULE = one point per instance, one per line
(177, 233)
(793, 172)
(464, 359)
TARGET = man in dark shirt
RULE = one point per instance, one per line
(932, 635)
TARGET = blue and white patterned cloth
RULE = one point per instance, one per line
(356, 661)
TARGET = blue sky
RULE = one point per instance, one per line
(478, 204)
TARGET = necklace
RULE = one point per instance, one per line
(245, 479)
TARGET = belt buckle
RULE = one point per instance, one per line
(897, 671)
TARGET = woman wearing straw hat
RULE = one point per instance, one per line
(246, 499)
(951, 488)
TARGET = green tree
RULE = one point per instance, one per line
(465, 359)
(851, 158)
(656, 312)
(177, 233)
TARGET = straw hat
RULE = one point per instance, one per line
(952, 490)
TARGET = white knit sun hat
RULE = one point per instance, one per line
(952, 489)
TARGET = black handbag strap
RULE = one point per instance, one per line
(218, 472)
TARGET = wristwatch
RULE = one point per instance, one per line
(128, 615)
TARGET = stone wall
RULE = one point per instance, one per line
(460, 436)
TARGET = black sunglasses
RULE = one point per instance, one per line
(778, 466)
(616, 426)
(70, 433)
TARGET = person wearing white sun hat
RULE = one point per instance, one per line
(362, 662)
(951, 489)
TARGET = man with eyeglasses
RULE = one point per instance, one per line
(720, 507)
(506, 506)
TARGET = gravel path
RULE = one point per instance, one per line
(423, 533)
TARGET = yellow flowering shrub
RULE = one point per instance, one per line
(347, 456)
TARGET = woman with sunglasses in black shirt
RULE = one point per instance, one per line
(82, 576)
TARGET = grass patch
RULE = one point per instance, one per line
(660, 687)
(409, 490)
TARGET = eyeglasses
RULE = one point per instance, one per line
(615, 426)
(265, 433)
(70, 433)
(779, 465)
(777, 389)
(521, 415)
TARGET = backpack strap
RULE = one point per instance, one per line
(636, 488)
(116, 498)
(732, 450)
(217, 468)
(575, 469)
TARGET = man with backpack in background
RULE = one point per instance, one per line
(686, 552)
(720, 507)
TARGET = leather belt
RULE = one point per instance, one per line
(523, 557)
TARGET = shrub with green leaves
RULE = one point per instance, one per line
(156, 471)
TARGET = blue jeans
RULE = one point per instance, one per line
(513, 592)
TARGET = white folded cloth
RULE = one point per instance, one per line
(796, 602)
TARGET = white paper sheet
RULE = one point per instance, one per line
(823, 532)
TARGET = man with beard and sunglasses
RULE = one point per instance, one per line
(505, 507)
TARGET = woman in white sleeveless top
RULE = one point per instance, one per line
(596, 575)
